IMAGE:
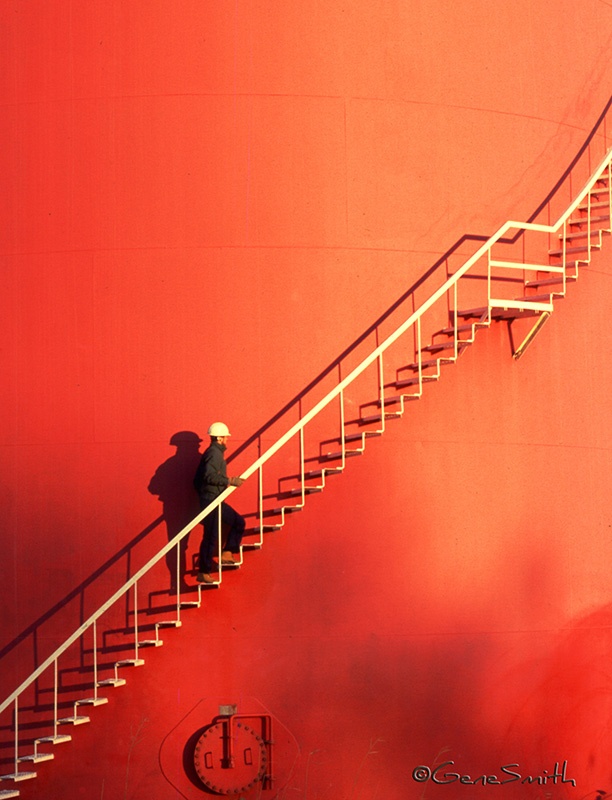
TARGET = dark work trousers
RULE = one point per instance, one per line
(236, 524)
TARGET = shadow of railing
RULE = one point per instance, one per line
(78, 594)
(600, 127)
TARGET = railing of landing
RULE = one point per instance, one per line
(486, 268)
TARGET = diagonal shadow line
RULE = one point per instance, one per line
(126, 550)
(353, 346)
(466, 237)
(573, 162)
(80, 589)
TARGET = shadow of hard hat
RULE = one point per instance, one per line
(185, 437)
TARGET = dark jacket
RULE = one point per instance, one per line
(211, 476)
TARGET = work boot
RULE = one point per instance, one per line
(204, 577)
(227, 559)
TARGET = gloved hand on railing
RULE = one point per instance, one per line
(236, 481)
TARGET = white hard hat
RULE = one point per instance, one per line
(219, 429)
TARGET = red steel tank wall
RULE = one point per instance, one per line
(204, 205)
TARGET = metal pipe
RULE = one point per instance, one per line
(16, 736)
(95, 658)
(267, 737)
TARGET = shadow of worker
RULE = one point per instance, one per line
(173, 484)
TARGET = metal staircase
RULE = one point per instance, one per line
(516, 275)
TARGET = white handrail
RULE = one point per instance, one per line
(425, 307)
(113, 599)
(334, 393)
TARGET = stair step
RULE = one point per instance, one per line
(414, 381)
(318, 473)
(347, 453)
(578, 262)
(128, 662)
(460, 329)
(584, 220)
(551, 281)
(195, 603)
(252, 545)
(471, 312)
(353, 437)
(170, 623)
(9, 793)
(17, 777)
(570, 237)
(57, 739)
(286, 509)
(37, 758)
(151, 643)
(114, 682)
(586, 206)
(388, 401)
(397, 398)
(378, 417)
(307, 490)
(92, 701)
(263, 529)
(536, 302)
(539, 298)
(430, 348)
(75, 720)
(570, 250)
(430, 363)
(506, 309)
